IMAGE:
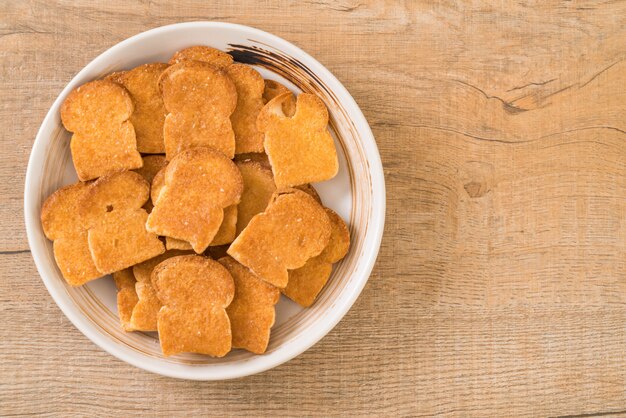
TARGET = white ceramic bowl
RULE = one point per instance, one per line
(357, 194)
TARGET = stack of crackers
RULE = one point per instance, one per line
(195, 195)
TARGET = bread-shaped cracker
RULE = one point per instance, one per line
(152, 164)
(300, 148)
(257, 157)
(258, 188)
(251, 312)
(306, 282)
(156, 186)
(225, 235)
(249, 85)
(111, 212)
(195, 292)
(199, 184)
(126, 296)
(310, 190)
(142, 84)
(273, 89)
(61, 224)
(228, 229)
(203, 53)
(104, 139)
(176, 244)
(144, 315)
(200, 99)
(292, 229)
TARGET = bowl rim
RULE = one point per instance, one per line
(305, 340)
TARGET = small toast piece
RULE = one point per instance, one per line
(111, 212)
(200, 99)
(224, 235)
(310, 190)
(251, 312)
(306, 282)
(157, 185)
(256, 157)
(143, 85)
(258, 188)
(61, 224)
(292, 229)
(227, 232)
(195, 292)
(249, 85)
(203, 53)
(152, 164)
(199, 184)
(126, 296)
(300, 148)
(273, 89)
(103, 139)
(176, 244)
(144, 315)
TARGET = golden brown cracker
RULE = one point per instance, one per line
(251, 312)
(122, 190)
(195, 292)
(273, 89)
(258, 188)
(256, 157)
(310, 190)
(111, 212)
(121, 240)
(339, 242)
(249, 85)
(126, 296)
(144, 314)
(300, 148)
(177, 244)
(292, 229)
(203, 53)
(306, 282)
(61, 224)
(103, 139)
(152, 164)
(224, 235)
(142, 83)
(199, 184)
(200, 99)
(227, 231)
(157, 185)
(143, 270)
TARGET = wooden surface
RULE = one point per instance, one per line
(500, 288)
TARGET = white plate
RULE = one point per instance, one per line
(357, 193)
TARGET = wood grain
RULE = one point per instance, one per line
(500, 288)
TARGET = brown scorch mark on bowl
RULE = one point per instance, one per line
(281, 64)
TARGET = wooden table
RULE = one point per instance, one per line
(500, 288)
